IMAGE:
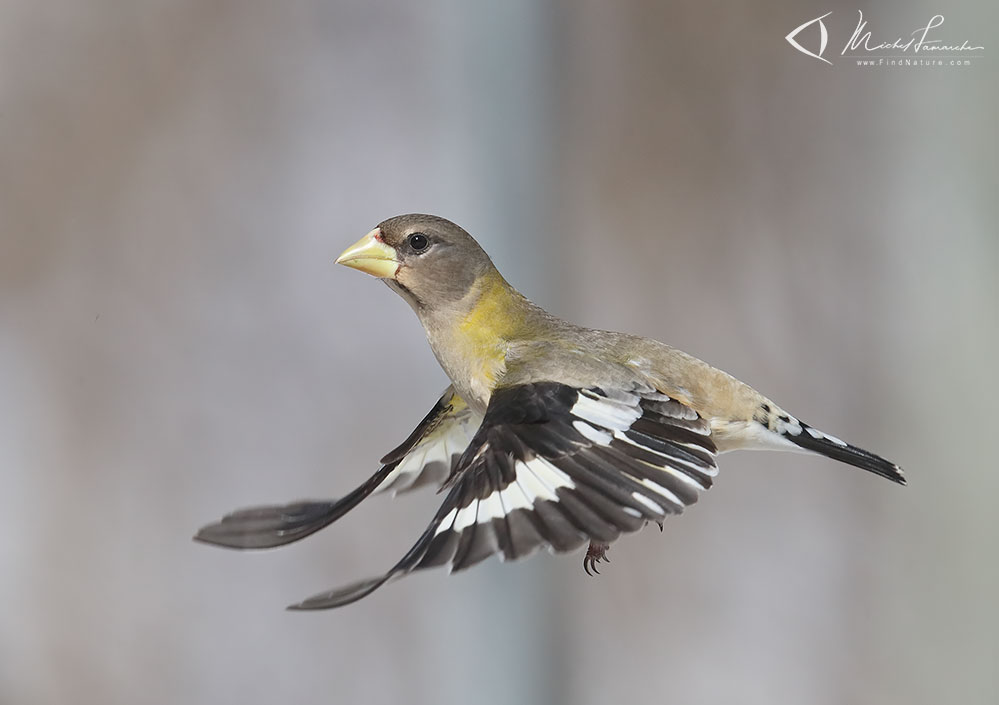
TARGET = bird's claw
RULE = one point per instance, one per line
(596, 553)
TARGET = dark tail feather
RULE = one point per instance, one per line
(814, 440)
(277, 525)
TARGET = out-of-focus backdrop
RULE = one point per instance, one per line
(176, 178)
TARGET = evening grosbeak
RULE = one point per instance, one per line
(550, 434)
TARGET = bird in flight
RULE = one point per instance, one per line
(550, 434)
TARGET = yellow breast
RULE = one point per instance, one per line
(472, 340)
(482, 334)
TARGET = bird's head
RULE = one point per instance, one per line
(429, 261)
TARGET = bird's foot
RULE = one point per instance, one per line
(596, 553)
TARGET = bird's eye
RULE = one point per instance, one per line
(419, 242)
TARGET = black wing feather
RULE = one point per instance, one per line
(276, 525)
(554, 466)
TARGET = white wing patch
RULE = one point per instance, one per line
(431, 460)
(537, 480)
(606, 412)
(592, 434)
(661, 448)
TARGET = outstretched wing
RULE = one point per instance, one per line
(431, 451)
(556, 466)
(427, 456)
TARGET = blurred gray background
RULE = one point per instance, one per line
(176, 178)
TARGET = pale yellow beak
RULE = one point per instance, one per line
(371, 255)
